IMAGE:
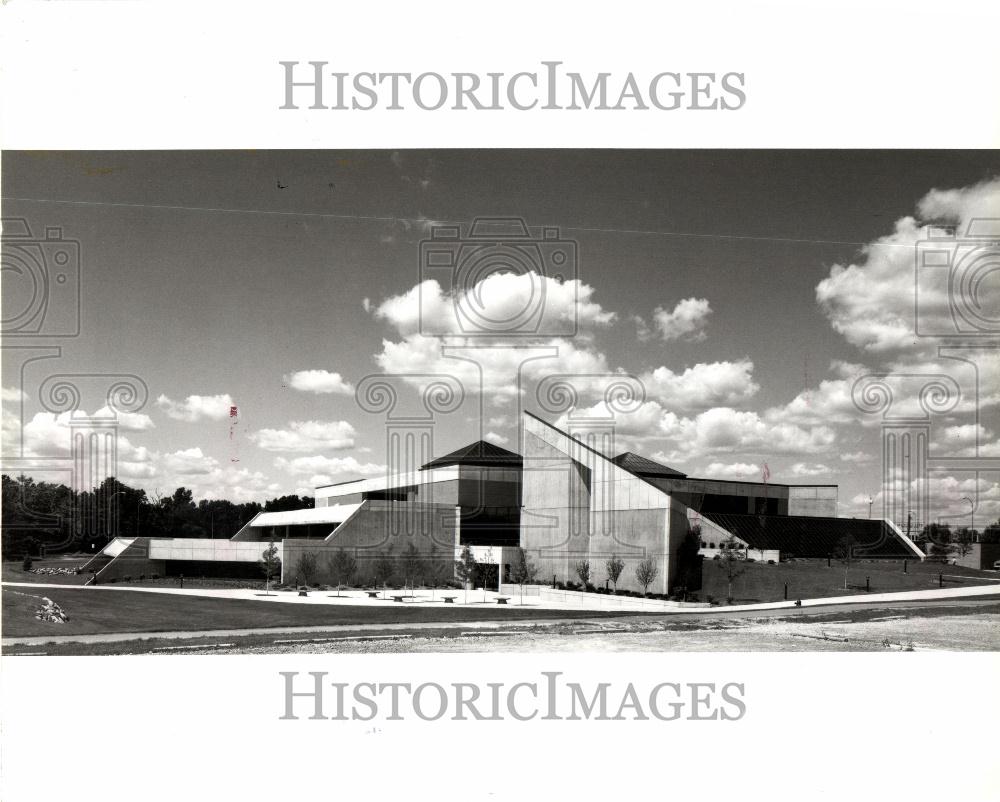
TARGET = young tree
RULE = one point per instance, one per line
(732, 560)
(963, 541)
(385, 568)
(582, 569)
(307, 566)
(614, 566)
(435, 569)
(645, 572)
(343, 566)
(522, 571)
(845, 553)
(270, 564)
(411, 564)
(465, 570)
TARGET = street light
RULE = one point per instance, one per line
(871, 500)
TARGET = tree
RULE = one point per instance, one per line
(385, 568)
(963, 541)
(270, 564)
(436, 569)
(845, 553)
(732, 560)
(614, 566)
(411, 563)
(645, 572)
(307, 566)
(343, 567)
(523, 571)
(582, 569)
(465, 570)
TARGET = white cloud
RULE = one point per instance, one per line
(702, 386)
(499, 439)
(734, 470)
(312, 436)
(560, 306)
(324, 470)
(127, 421)
(10, 394)
(319, 382)
(871, 303)
(714, 431)
(189, 462)
(809, 469)
(857, 457)
(686, 321)
(197, 407)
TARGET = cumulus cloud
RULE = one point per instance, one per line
(702, 386)
(686, 321)
(11, 394)
(714, 431)
(746, 471)
(311, 435)
(188, 462)
(319, 382)
(809, 469)
(498, 439)
(872, 302)
(197, 407)
(325, 470)
(558, 306)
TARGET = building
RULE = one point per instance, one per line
(560, 499)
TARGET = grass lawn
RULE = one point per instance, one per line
(94, 611)
(811, 579)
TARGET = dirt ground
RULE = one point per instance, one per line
(965, 629)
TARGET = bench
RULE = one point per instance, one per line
(449, 599)
(502, 599)
(398, 598)
(372, 594)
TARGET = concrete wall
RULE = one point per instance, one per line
(383, 528)
(983, 555)
(577, 505)
(818, 501)
(208, 550)
(133, 561)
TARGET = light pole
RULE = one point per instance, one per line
(972, 517)
(871, 500)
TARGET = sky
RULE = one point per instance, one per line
(745, 292)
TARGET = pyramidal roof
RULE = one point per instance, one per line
(642, 466)
(480, 453)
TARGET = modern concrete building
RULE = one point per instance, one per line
(561, 499)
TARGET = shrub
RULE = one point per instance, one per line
(710, 598)
(590, 588)
(154, 576)
(127, 578)
(142, 577)
(716, 557)
(113, 579)
(711, 545)
(560, 586)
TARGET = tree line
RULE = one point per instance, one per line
(48, 517)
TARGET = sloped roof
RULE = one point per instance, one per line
(642, 466)
(335, 514)
(805, 536)
(480, 453)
